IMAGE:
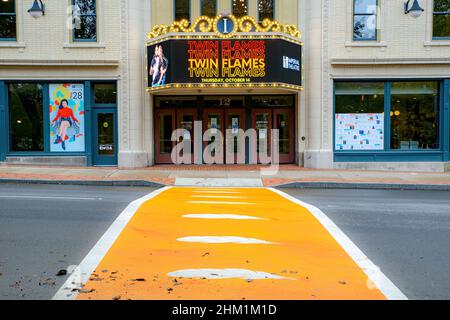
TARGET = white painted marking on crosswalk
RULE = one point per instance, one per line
(220, 197)
(221, 216)
(216, 191)
(225, 274)
(226, 239)
(220, 202)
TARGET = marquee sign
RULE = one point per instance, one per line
(224, 52)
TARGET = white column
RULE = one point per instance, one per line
(317, 153)
(132, 153)
(302, 98)
(147, 98)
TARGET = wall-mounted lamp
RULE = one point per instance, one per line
(415, 10)
(37, 10)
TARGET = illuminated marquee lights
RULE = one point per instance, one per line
(206, 24)
(226, 85)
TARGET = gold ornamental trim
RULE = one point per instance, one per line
(206, 24)
(265, 85)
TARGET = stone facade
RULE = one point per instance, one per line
(405, 50)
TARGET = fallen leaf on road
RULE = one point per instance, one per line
(61, 273)
(96, 279)
(85, 290)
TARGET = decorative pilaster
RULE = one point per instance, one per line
(124, 106)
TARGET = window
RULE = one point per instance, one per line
(182, 10)
(365, 14)
(105, 93)
(359, 116)
(407, 119)
(26, 117)
(441, 19)
(208, 8)
(240, 8)
(266, 9)
(8, 20)
(273, 101)
(84, 20)
(414, 115)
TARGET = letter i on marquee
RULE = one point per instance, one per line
(225, 29)
(225, 25)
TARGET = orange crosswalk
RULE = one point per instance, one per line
(235, 243)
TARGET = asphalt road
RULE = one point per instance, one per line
(46, 228)
(405, 233)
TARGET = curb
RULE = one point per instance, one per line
(367, 186)
(105, 183)
(292, 185)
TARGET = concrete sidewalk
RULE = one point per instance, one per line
(288, 175)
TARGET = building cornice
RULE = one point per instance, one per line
(391, 61)
(59, 63)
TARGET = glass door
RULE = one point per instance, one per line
(214, 120)
(164, 126)
(235, 120)
(262, 123)
(105, 137)
(185, 120)
(284, 122)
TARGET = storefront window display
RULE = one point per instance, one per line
(26, 117)
(414, 115)
(359, 118)
(387, 116)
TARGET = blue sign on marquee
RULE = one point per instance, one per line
(225, 25)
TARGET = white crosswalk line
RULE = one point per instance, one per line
(220, 197)
(221, 202)
(221, 216)
(225, 274)
(226, 239)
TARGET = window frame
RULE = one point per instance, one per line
(377, 16)
(274, 10)
(248, 8)
(397, 155)
(16, 22)
(175, 11)
(201, 7)
(435, 13)
(96, 40)
(46, 121)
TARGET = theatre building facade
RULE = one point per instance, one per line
(360, 84)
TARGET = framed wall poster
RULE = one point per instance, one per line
(359, 131)
(67, 125)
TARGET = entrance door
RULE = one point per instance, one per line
(262, 122)
(185, 120)
(164, 126)
(235, 120)
(214, 120)
(284, 122)
(105, 137)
